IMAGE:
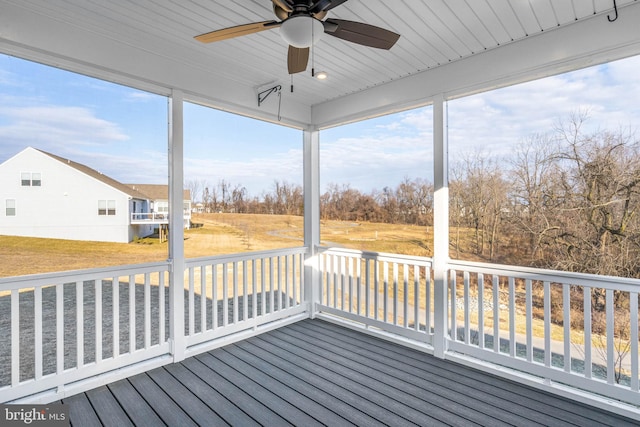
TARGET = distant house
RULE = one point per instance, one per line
(159, 196)
(198, 208)
(44, 195)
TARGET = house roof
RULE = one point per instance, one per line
(98, 175)
(136, 191)
(157, 191)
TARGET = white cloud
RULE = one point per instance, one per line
(147, 167)
(140, 96)
(53, 127)
(257, 174)
(8, 79)
(498, 120)
(374, 163)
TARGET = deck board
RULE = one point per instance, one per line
(310, 373)
(139, 411)
(315, 410)
(446, 388)
(301, 382)
(184, 397)
(525, 402)
(403, 385)
(211, 396)
(287, 410)
(396, 401)
(398, 384)
(81, 411)
(317, 373)
(168, 411)
(241, 398)
(107, 407)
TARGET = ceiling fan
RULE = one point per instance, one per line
(301, 25)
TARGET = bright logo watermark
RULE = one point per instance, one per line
(53, 415)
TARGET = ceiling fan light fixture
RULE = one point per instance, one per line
(301, 31)
(322, 75)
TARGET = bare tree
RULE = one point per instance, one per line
(239, 198)
(389, 205)
(534, 190)
(225, 195)
(195, 187)
(483, 195)
(601, 197)
(288, 198)
(457, 210)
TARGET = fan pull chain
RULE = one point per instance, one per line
(279, 105)
(291, 82)
(313, 55)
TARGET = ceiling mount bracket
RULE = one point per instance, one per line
(262, 96)
(615, 8)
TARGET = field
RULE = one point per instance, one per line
(220, 234)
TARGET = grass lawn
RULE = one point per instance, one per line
(220, 234)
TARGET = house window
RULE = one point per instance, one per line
(10, 207)
(106, 207)
(30, 179)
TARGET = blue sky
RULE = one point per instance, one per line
(122, 132)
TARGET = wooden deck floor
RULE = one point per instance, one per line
(316, 373)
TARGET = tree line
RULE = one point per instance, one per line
(411, 202)
(283, 199)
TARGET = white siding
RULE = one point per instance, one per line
(64, 206)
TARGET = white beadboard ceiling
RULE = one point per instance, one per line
(119, 35)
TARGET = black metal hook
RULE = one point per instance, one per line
(615, 7)
(265, 93)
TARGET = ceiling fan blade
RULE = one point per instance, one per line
(364, 34)
(239, 30)
(334, 3)
(297, 59)
(283, 4)
(320, 6)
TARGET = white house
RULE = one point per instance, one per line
(44, 195)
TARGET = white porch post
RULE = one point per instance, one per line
(311, 141)
(176, 227)
(440, 225)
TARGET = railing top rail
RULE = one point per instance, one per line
(555, 276)
(33, 280)
(245, 256)
(380, 256)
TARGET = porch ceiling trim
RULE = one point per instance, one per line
(35, 37)
(159, 66)
(585, 43)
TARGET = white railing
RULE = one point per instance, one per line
(59, 329)
(564, 328)
(385, 291)
(576, 329)
(154, 217)
(242, 291)
(149, 218)
(61, 333)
